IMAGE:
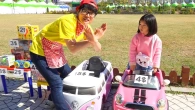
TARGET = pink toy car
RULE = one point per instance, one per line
(140, 90)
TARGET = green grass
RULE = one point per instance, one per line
(176, 31)
(178, 93)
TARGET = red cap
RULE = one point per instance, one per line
(91, 2)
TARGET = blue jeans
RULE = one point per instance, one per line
(53, 78)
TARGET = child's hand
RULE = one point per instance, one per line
(132, 67)
(99, 32)
(155, 69)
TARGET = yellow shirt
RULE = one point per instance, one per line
(59, 30)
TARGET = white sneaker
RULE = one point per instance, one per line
(49, 104)
(166, 82)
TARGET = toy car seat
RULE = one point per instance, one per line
(96, 64)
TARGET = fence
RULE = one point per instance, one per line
(184, 79)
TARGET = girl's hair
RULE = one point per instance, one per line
(89, 7)
(150, 22)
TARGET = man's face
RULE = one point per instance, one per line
(86, 16)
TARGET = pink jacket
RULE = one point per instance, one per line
(150, 46)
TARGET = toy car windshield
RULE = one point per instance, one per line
(142, 81)
(81, 90)
(142, 72)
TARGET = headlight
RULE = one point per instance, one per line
(74, 105)
(119, 99)
(161, 104)
(90, 108)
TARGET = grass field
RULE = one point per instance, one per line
(176, 32)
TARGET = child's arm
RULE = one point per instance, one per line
(157, 54)
(155, 69)
(133, 53)
(132, 67)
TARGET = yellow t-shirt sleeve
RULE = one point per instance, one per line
(66, 30)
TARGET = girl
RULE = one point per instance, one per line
(147, 42)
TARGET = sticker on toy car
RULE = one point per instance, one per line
(18, 72)
(14, 43)
(22, 30)
(3, 71)
(84, 73)
(141, 79)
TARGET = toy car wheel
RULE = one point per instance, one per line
(26, 64)
(16, 64)
(32, 66)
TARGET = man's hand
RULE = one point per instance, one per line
(92, 39)
(72, 42)
(89, 35)
(99, 32)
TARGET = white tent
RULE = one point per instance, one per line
(64, 7)
(19, 7)
(69, 1)
(6, 7)
(183, 4)
(52, 6)
(42, 7)
(191, 4)
(32, 7)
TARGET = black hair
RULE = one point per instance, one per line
(150, 22)
(89, 7)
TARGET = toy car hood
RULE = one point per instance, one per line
(140, 96)
(81, 81)
(76, 102)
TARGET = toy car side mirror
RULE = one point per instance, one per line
(118, 78)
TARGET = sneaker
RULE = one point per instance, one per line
(166, 82)
(49, 104)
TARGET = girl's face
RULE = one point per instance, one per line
(143, 27)
(86, 16)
